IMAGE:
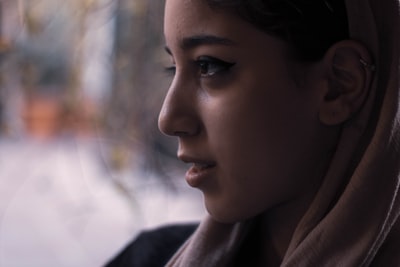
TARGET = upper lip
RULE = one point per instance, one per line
(196, 160)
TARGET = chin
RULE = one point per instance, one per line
(224, 210)
(228, 217)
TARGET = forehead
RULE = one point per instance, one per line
(184, 12)
(189, 19)
(185, 18)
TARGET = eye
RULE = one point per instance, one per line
(210, 66)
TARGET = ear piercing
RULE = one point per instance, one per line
(367, 65)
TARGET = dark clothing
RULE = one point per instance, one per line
(153, 248)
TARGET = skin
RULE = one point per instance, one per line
(255, 123)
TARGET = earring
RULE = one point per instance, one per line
(367, 65)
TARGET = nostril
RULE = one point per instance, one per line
(181, 133)
(174, 122)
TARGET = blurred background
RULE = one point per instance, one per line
(83, 167)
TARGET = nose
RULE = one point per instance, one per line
(178, 115)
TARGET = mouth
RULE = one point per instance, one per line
(197, 162)
(199, 171)
(202, 166)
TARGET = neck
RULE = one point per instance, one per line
(277, 227)
(269, 238)
(278, 224)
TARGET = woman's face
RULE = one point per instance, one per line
(248, 128)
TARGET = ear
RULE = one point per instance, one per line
(348, 74)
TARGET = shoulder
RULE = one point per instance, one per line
(153, 248)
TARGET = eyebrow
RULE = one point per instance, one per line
(198, 40)
(194, 41)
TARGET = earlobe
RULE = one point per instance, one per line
(348, 73)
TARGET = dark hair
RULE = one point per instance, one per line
(311, 26)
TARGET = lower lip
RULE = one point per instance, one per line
(196, 176)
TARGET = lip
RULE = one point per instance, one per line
(200, 171)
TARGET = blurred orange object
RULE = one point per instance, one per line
(42, 116)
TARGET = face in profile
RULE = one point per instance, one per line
(246, 125)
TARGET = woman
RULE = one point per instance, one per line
(289, 113)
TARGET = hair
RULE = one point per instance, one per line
(310, 26)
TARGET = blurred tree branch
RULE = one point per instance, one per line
(138, 84)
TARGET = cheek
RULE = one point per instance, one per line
(258, 163)
(247, 135)
(257, 121)
(262, 131)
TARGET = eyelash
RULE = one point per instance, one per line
(210, 66)
(207, 66)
